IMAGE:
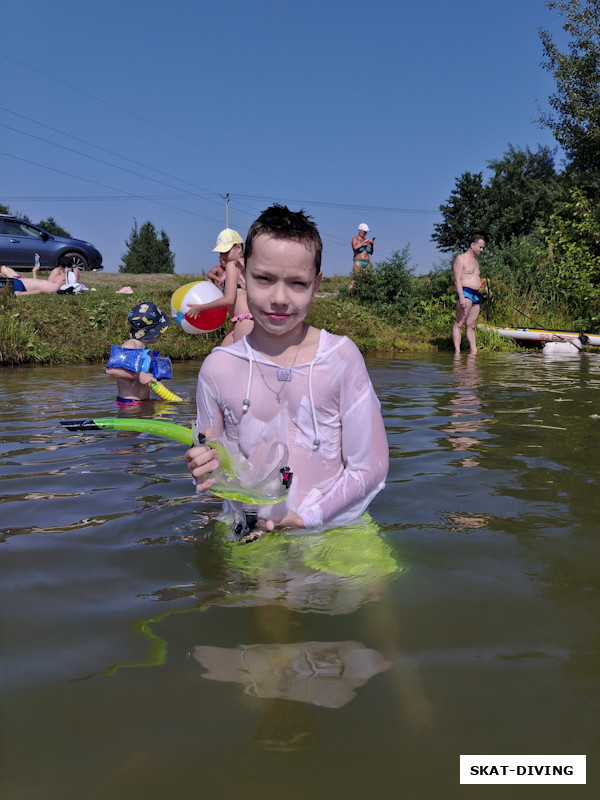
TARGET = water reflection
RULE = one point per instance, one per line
(320, 673)
(333, 573)
(466, 417)
(468, 621)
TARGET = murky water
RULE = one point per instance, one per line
(144, 657)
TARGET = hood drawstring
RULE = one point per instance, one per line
(246, 403)
(316, 440)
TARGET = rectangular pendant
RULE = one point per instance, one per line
(284, 374)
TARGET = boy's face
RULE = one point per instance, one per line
(280, 282)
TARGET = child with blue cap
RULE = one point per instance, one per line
(134, 365)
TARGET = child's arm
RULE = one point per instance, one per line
(228, 298)
(365, 454)
(214, 276)
(145, 378)
(201, 461)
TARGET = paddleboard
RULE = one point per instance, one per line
(540, 335)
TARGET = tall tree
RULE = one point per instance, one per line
(146, 252)
(465, 213)
(519, 197)
(574, 118)
(52, 226)
(522, 192)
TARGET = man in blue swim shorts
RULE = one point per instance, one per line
(468, 282)
(29, 286)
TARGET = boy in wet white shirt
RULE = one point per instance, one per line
(292, 383)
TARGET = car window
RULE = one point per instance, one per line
(14, 228)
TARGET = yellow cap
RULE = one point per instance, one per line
(226, 239)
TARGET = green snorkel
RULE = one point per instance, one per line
(234, 479)
(157, 426)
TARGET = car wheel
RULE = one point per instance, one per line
(75, 260)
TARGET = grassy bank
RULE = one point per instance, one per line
(75, 329)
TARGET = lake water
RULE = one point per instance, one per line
(145, 657)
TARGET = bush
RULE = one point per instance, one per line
(513, 264)
(386, 286)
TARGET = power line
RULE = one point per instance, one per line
(349, 206)
(318, 203)
(130, 195)
(162, 128)
(191, 195)
(105, 150)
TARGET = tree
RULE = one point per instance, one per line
(519, 197)
(52, 226)
(574, 118)
(465, 213)
(522, 193)
(569, 271)
(147, 253)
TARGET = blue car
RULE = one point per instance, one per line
(20, 242)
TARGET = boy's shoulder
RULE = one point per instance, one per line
(329, 342)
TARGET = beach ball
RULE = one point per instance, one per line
(190, 294)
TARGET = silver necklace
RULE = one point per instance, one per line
(283, 373)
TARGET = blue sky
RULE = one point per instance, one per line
(357, 112)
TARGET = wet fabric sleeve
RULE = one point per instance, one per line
(209, 413)
(365, 455)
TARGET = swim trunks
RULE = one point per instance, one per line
(470, 294)
(18, 285)
(128, 401)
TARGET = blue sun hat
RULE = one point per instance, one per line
(147, 321)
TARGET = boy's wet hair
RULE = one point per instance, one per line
(281, 223)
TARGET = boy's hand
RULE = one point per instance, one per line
(201, 461)
(263, 526)
(290, 520)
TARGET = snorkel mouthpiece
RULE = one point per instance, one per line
(286, 476)
(246, 517)
(244, 522)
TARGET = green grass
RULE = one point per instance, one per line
(75, 329)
